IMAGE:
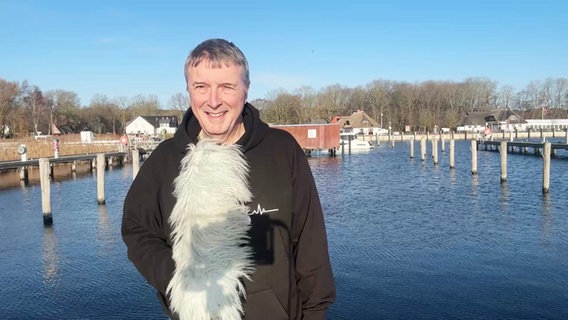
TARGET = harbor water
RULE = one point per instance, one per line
(407, 239)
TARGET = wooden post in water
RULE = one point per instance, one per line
(473, 157)
(435, 150)
(24, 174)
(423, 149)
(45, 191)
(566, 138)
(503, 161)
(136, 161)
(101, 178)
(546, 168)
(442, 143)
(411, 147)
(452, 159)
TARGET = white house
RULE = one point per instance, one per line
(359, 122)
(152, 125)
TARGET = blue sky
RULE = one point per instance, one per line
(131, 47)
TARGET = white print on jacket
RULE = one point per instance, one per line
(260, 210)
(209, 232)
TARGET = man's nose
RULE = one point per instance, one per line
(214, 99)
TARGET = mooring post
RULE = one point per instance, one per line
(101, 178)
(435, 150)
(423, 148)
(136, 161)
(473, 157)
(452, 159)
(411, 147)
(503, 161)
(546, 168)
(24, 174)
(443, 146)
(45, 191)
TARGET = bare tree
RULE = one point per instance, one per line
(66, 109)
(179, 102)
(35, 103)
(8, 95)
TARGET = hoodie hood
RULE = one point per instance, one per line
(189, 129)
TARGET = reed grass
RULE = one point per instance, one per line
(69, 144)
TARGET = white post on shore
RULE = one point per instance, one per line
(423, 149)
(503, 161)
(101, 178)
(546, 168)
(452, 158)
(136, 162)
(473, 157)
(411, 147)
(435, 150)
(45, 191)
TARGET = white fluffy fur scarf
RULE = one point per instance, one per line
(209, 232)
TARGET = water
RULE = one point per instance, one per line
(407, 240)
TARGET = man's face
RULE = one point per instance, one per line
(217, 97)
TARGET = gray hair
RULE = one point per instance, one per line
(218, 52)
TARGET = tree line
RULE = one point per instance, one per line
(418, 105)
(26, 110)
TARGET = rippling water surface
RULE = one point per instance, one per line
(408, 240)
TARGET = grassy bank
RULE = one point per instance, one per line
(69, 144)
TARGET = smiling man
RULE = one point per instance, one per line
(224, 219)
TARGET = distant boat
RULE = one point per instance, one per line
(356, 144)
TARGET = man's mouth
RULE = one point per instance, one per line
(215, 115)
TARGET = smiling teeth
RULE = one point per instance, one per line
(216, 115)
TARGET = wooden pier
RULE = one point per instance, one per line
(522, 146)
(98, 162)
(544, 149)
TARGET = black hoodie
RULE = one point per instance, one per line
(293, 277)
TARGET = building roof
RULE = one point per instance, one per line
(359, 119)
(495, 116)
(155, 121)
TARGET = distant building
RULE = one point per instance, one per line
(152, 125)
(496, 120)
(4, 131)
(358, 122)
